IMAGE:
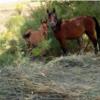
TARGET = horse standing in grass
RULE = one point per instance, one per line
(33, 38)
(74, 29)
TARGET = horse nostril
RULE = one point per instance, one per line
(52, 24)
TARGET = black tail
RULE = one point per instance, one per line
(97, 30)
(26, 35)
(97, 27)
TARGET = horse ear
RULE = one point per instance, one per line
(53, 10)
(46, 19)
(47, 11)
(41, 21)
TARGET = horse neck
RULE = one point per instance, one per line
(42, 30)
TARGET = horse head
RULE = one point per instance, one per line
(53, 20)
(44, 26)
(52, 17)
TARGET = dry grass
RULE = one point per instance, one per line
(68, 78)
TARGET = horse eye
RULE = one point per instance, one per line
(54, 15)
(49, 15)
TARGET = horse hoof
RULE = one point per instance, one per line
(96, 52)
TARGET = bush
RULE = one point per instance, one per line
(10, 40)
(41, 48)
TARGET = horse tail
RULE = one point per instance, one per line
(97, 30)
(26, 35)
(97, 27)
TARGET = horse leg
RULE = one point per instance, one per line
(93, 38)
(95, 46)
(80, 43)
(63, 45)
(99, 44)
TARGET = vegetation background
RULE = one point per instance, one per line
(12, 45)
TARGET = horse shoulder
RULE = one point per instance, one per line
(66, 25)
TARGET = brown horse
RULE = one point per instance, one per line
(74, 29)
(33, 38)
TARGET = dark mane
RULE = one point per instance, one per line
(58, 25)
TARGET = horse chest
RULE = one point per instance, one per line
(36, 37)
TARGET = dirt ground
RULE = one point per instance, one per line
(75, 77)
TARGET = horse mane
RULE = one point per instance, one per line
(58, 25)
(59, 22)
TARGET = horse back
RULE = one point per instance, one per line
(72, 28)
(75, 27)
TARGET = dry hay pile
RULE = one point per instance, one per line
(64, 78)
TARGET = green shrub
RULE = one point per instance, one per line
(41, 48)
(14, 24)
